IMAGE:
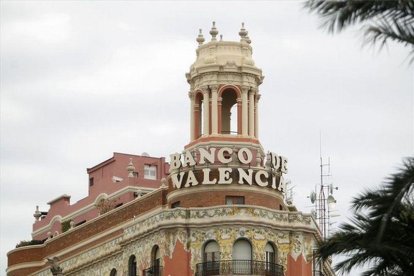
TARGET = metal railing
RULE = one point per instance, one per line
(155, 270)
(239, 267)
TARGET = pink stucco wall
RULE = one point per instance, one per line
(103, 183)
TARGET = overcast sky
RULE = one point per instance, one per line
(83, 79)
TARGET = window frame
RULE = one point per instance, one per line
(235, 200)
(150, 172)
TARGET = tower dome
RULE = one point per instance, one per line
(225, 57)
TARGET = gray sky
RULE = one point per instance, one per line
(83, 79)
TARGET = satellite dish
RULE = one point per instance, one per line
(145, 154)
(312, 197)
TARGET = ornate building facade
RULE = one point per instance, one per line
(217, 208)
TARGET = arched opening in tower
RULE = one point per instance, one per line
(229, 112)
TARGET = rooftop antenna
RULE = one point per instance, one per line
(322, 197)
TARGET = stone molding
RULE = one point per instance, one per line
(218, 78)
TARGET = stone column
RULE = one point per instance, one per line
(197, 124)
(206, 112)
(257, 114)
(251, 113)
(192, 132)
(219, 106)
(245, 91)
(239, 117)
(214, 109)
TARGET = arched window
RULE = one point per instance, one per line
(229, 112)
(132, 266)
(211, 252)
(211, 257)
(270, 253)
(242, 257)
(156, 261)
(270, 258)
(113, 272)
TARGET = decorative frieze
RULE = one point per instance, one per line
(291, 232)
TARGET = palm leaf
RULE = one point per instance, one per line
(381, 231)
(382, 20)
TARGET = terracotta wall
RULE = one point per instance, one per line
(299, 267)
(179, 264)
(214, 198)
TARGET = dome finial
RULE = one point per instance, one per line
(200, 38)
(213, 32)
(243, 33)
(130, 168)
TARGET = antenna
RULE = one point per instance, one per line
(322, 197)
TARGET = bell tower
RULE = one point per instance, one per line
(224, 162)
(224, 91)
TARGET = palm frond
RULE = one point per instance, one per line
(381, 230)
(382, 20)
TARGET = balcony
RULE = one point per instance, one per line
(155, 270)
(239, 267)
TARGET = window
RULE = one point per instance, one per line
(211, 258)
(242, 257)
(271, 260)
(211, 252)
(150, 172)
(175, 205)
(156, 261)
(113, 272)
(132, 266)
(269, 253)
(234, 200)
(91, 182)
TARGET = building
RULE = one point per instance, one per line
(112, 183)
(217, 208)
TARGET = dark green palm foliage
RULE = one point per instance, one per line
(381, 19)
(381, 233)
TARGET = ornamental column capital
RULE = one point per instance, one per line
(204, 89)
(245, 89)
(253, 90)
(214, 87)
(191, 94)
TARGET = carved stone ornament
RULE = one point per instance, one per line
(54, 266)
